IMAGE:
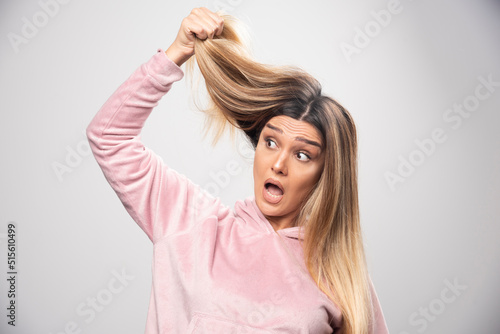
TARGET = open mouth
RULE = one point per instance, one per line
(273, 191)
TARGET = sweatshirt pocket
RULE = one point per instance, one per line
(210, 324)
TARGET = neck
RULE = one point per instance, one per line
(279, 223)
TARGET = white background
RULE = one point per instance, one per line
(438, 225)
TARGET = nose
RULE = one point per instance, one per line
(280, 165)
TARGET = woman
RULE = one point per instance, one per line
(288, 260)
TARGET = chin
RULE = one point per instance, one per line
(266, 208)
(269, 209)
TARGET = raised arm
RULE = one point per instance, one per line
(151, 192)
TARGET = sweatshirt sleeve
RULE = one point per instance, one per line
(379, 325)
(160, 200)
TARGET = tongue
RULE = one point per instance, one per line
(274, 190)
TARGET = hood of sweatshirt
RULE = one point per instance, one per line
(248, 209)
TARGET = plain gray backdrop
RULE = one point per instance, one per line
(421, 79)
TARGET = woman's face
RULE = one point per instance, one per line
(288, 163)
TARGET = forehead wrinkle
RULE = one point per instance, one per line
(298, 138)
(274, 128)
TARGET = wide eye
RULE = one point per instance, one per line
(303, 157)
(270, 143)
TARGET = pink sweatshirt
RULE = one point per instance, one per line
(215, 269)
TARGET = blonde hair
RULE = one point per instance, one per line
(247, 94)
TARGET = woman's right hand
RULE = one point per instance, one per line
(200, 23)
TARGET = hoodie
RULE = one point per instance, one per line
(215, 269)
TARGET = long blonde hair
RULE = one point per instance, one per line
(247, 94)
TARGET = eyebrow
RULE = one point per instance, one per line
(302, 139)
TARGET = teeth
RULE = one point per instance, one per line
(275, 196)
